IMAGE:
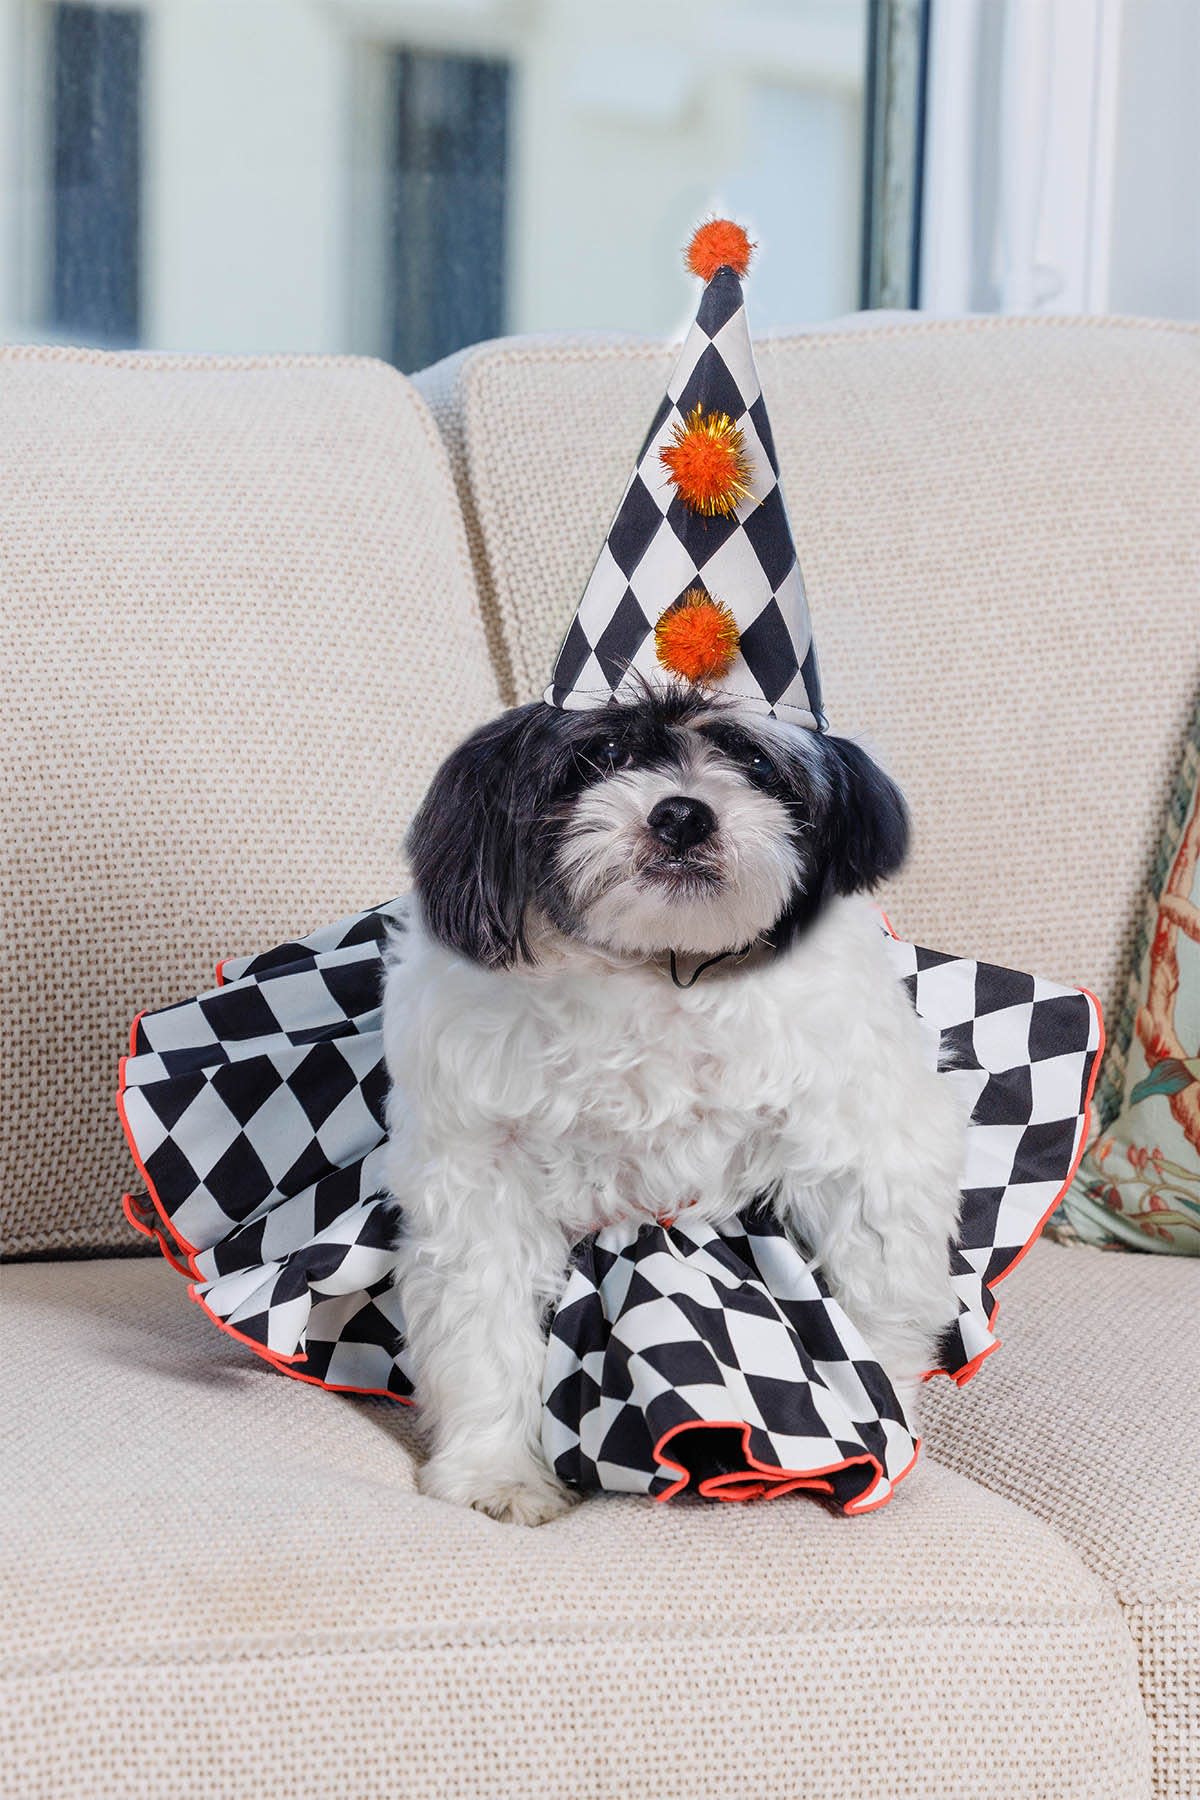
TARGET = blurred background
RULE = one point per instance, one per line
(400, 179)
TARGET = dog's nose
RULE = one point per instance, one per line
(681, 823)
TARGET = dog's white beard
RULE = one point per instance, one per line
(729, 892)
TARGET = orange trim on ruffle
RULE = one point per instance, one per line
(734, 1485)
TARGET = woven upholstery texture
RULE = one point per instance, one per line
(239, 633)
(438, 386)
(227, 1585)
(996, 523)
(1089, 1418)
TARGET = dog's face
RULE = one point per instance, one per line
(673, 823)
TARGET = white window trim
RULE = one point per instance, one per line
(1019, 154)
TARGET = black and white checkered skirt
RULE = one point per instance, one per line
(680, 1356)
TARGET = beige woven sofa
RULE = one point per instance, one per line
(247, 606)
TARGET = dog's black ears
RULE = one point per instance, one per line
(867, 822)
(468, 844)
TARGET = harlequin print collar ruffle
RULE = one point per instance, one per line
(681, 1356)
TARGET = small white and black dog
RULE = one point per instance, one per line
(550, 1077)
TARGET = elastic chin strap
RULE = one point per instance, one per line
(698, 971)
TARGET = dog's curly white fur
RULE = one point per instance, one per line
(548, 1077)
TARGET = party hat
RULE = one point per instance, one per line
(697, 581)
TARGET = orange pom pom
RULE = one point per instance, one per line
(706, 460)
(697, 637)
(719, 244)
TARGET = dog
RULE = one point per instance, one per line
(643, 980)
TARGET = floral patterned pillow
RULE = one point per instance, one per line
(1139, 1182)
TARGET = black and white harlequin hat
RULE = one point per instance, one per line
(698, 580)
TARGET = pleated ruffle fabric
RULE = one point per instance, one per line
(680, 1357)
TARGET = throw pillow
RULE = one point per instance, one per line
(1138, 1185)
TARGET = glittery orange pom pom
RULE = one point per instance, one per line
(719, 244)
(706, 459)
(697, 637)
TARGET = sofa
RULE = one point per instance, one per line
(247, 607)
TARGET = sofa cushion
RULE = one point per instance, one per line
(240, 631)
(222, 1581)
(1089, 1417)
(996, 523)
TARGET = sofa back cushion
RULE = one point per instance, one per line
(240, 630)
(996, 520)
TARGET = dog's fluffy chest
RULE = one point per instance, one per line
(622, 1096)
(672, 1105)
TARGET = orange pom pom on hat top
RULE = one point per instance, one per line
(697, 637)
(706, 460)
(719, 244)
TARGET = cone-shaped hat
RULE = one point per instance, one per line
(698, 579)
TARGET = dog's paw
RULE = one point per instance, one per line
(524, 1502)
(531, 1497)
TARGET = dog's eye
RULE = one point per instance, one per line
(742, 749)
(609, 753)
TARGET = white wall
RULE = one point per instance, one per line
(1155, 238)
(638, 119)
(244, 242)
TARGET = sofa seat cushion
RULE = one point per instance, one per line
(222, 1581)
(1089, 1417)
